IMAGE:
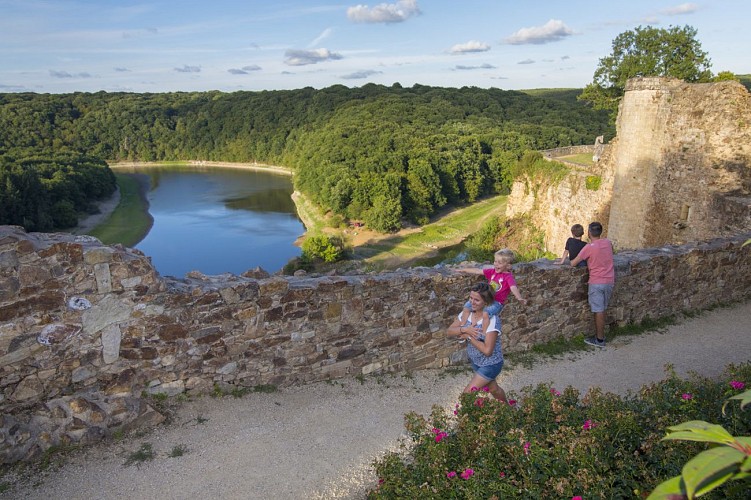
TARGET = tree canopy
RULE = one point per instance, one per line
(647, 51)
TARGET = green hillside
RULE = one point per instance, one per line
(380, 154)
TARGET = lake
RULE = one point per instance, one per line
(216, 220)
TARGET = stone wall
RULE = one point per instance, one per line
(88, 331)
(678, 170)
(567, 150)
(682, 163)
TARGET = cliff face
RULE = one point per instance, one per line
(679, 170)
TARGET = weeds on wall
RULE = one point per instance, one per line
(593, 182)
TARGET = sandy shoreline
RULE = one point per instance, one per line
(106, 207)
(206, 164)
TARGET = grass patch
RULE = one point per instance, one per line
(580, 159)
(54, 455)
(130, 221)
(178, 451)
(265, 388)
(593, 182)
(451, 227)
(144, 454)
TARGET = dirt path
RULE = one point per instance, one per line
(318, 441)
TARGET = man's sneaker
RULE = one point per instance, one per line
(595, 341)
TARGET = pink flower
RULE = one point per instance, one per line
(686, 396)
(577, 497)
(512, 402)
(436, 430)
(380, 480)
(456, 412)
(486, 389)
(588, 424)
(554, 392)
(735, 384)
(440, 436)
(473, 389)
(479, 402)
(502, 474)
(468, 473)
(451, 474)
(527, 446)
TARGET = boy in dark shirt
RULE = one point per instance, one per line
(574, 245)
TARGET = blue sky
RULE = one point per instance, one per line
(61, 46)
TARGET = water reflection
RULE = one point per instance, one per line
(219, 220)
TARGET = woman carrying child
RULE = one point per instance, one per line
(482, 333)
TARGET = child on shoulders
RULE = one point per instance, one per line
(500, 279)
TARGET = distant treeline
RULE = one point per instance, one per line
(374, 153)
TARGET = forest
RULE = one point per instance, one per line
(379, 154)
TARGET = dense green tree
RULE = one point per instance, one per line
(647, 51)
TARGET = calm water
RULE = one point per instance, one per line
(219, 220)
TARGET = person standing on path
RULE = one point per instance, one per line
(599, 257)
(483, 336)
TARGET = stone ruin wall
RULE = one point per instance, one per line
(88, 331)
(678, 170)
(682, 164)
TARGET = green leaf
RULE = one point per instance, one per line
(666, 489)
(745, 398)
(698, 430)
(711, 468)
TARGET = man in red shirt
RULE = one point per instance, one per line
(599, 256)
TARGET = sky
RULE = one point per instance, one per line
(63, 46)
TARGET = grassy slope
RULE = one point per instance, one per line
(130, 221)
(451, 228)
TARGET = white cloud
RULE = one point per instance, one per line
(471, 46)
(65, 74)
(359, 75)
(552, 31)
(684, 8)
(188, 69)
(384, 13)
(244, 70)
(482, 66)
(526, 61)
(303, 57)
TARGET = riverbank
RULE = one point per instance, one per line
(198, 164)
(105, 209)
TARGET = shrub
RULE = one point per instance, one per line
(556, 444)
(328, 249)
(593, 182)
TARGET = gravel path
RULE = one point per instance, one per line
(318, 441)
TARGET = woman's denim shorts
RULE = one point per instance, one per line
(488, 372)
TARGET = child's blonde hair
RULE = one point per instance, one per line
(506, 255)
